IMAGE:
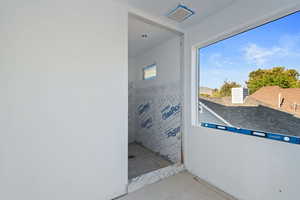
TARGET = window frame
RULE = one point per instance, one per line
(195, 52)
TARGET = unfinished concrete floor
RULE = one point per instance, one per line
(182, 186)
(142, 161)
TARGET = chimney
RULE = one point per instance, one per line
(238, 95)
(279, 100)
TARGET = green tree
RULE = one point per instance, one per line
(225, 89)
(277, 76)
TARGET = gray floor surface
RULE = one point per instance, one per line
(143, 161)
(182, 186)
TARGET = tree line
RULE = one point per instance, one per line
(276, 76)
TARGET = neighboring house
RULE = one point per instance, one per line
(284, 99)
(260, 118)
(206, 91)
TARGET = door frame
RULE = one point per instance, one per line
(181, 34)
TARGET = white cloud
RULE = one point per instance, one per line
(287, 47)
(260, 56)
(218, 60)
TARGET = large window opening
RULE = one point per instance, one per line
(251, 81)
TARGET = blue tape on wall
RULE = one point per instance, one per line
(271, 136)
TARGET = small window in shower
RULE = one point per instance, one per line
(149, 72)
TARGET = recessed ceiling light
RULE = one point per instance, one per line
(144, 36)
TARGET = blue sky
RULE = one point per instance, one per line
(273, 44)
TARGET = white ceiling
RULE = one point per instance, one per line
(202, 8)
(159, 9)
(137, 44)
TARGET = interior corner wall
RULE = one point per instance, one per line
(156, 103)
(63, 83)
(249, 168)
(131, 101)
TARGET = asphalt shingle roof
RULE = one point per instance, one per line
(260, 118)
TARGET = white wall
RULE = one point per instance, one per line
(167, 58)
(249, 168)
(131, 69)
(131, 98)
(63, 83)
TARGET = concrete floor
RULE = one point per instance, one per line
(144, 161)
(182, 186)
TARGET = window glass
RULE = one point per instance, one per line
(149, 72)
(251, 80)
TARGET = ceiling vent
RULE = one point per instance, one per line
(180, 13)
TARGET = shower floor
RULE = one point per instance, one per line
(141, 161)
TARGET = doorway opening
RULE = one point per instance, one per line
(154, 96)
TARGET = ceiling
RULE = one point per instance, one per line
(159, 9)
(156, 35)
(202, 8)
